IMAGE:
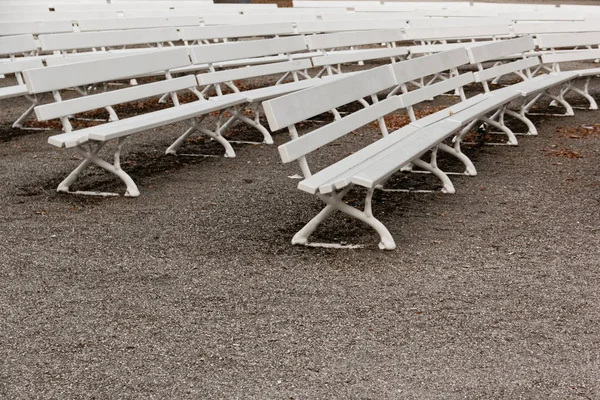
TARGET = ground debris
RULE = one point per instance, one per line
(566, 153)
(578, 132)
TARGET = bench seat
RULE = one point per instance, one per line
(128, 126)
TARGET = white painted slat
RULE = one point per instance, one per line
(56, 16)
(256, 19)
(410, 148)
(567, 40)
(428, 92)
(86, 40)
(35, 27)
(566, 56)
(526, 28)
(454, 32)
(325, 180)
(235, 31)
(96, 101)
(504, 69)
(351, 25)
(313, 140)
(359, 55)
(135, 23)
(251, 72)
(409, 70)
(64, 76)
(501, 48)
(17, 44)
(288, 110)
(344, 39)
(437, 48)
(19, 65)
(246, 49)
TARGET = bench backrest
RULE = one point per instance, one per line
(17, 44)
(458, 32)
(55, 16)
(87, 40)
(35, 27)
(235, 31)
(49, 79)
(527, 28)
(135, 23)
(341, 26)
(346, 39)
(288, 110)
(551, 41)
(255, 19)
(207, 54)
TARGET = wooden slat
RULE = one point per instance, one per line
(288, 110)
(246, 49)
(86, 40)
(428, 92)
(409, 70)
(566, 56)
(359, 55)
(17, 44)
(504, 69)
(93, 102)
(235, 31)
(344, 39)
(311, 141)
(567, 40)
(501, 48)
(35, 27)
(64, 76)
(20, 65)
(254, 71)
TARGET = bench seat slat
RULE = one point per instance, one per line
(19, 65)
(412, 147)
(235, 31)
(324, 180)
(416, 68)
(96, 101)
(501, 48)
(260, 94)
(128, 126)
(17, 44)
(344, 39)
(575, 55)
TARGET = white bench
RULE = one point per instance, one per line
(89, 141)
(374, 164)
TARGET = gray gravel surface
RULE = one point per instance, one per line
(193, 290)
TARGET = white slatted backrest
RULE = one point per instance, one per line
(403, 18)
(246, 49)
(427, 92)
(235, 31)
(84, 73)
(505, 69)
(93, 102)
(17, 44)
(19, 65)
(33, 27)
(136, 23)
(567, 40)
(446, 22)
(340, 57)
(340, 26)
(56, 16)
(455, 32)
(544, 16)
(525, 28)
(255, 19)
(252, 72)
(86, 40)
(290, 109)
(502, 48)
(409, 70)
(344, 39)
(566, 56)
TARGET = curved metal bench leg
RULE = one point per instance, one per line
(334, 202)
(531, 129)
(470, 169)
(90, 155)
(432, 167)
(195, 126)
(238, 113)
(512, 139)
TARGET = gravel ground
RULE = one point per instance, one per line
(193, 290)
